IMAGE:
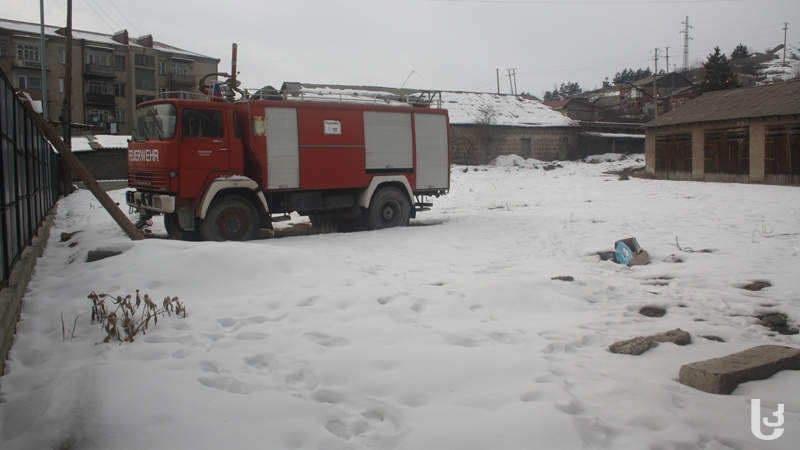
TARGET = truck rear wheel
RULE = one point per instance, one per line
(230, 218)
(388, 208)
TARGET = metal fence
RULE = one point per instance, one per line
(29, 168)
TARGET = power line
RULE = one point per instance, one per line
(125, 17)
(109, 17)
(584, 2)
(99, 16)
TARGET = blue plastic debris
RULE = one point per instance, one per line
(628, 252)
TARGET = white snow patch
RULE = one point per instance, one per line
(451, 333)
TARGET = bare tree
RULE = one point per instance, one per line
(473, 139)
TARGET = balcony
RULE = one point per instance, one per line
(100, 71)
(100, 99)
(183, 80)
(28, 64)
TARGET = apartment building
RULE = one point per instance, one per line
(111, 74)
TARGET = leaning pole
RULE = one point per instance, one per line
(72, 161)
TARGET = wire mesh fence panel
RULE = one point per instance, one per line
(29, 168)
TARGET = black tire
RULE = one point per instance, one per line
(389, 208)
(324, 223)
(230, 218)
(174, 230)
(320, 221)
(171, 225)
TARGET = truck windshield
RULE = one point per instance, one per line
(155, 122)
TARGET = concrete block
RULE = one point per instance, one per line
(722, 375)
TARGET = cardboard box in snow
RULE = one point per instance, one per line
(628, 252)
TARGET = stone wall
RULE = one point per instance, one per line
(480, 144)
(105, 164)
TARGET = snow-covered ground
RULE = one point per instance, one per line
(448, 334)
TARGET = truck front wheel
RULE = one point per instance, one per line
(230, 218)
(388, 208)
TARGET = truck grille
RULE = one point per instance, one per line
(151, 181)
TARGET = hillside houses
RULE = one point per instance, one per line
(672, 91)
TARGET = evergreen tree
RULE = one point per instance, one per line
(567, 90)
(552, 96)
(629, 75)
(719, 74)
(740, 52)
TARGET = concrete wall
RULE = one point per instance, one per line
(11, 295)
(105, 164)
(480, 144)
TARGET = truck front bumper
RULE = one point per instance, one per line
(159, 203)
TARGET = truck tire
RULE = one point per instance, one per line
(174, 230)
(388, 208)
(171, 225)
(324, 223)
(230, 218)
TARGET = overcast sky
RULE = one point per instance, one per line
(436, 44)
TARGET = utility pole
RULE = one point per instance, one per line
(43, 60)
(511, 81)
(667, 59)
(686, 39)
(655, 87)
(785, 29)
(514, 71)
(498, 81)
(66, 107)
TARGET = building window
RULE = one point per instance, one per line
(98, 87)
(31, 83)
(119, 89)
(119, 62)
(28, 52)
(144, 60)
(3, 49)
(143, 98)
(145, 79)
(61, 85)
(99, 116)
(180, 69)
(119, 116)
(62, 56)
(97, 59)
(162, 67)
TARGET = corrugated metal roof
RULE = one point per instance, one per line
(773, 100)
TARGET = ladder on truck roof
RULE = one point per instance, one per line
(421, 99)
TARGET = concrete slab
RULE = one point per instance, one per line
(722, 375)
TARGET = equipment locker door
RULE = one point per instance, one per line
(433, 165)
(389, 146)
(283, 149)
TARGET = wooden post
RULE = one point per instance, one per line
(72, 161)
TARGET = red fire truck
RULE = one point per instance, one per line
(222, 170)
